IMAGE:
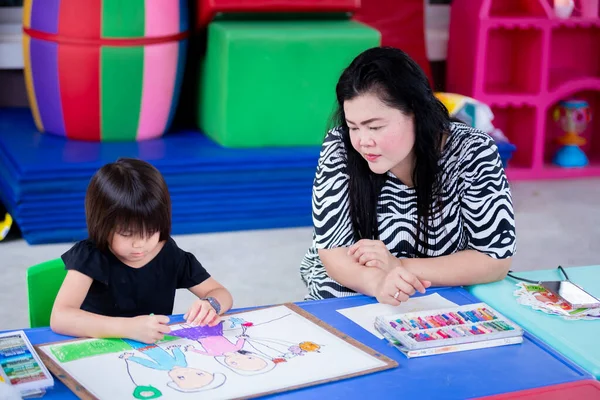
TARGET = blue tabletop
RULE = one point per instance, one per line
(449, 376)
(577, 340)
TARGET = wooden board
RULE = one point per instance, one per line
(337, 342)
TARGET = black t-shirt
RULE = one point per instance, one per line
(119, 290)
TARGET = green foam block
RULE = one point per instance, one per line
(272, 83)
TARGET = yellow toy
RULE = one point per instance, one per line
(5, 226)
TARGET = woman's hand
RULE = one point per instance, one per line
(373, 253)
(398, 285)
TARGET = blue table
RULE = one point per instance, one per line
(450, 376)
(577, 340)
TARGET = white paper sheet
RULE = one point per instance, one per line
(365, 315)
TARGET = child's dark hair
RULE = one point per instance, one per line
(127, 195)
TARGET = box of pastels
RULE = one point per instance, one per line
(472, 325)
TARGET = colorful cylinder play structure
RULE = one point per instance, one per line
(104, 70)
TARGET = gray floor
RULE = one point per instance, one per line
(558, 222)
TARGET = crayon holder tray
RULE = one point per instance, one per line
(449, 326)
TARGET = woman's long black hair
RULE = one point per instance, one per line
(400, 83)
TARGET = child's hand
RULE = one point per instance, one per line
(202, 313)
(149, 328)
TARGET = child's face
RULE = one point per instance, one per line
(134, 249)
(245, 362)
(190, 378)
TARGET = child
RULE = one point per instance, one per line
(121, 281)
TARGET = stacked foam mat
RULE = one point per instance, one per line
(43, 179)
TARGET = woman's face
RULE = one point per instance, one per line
(383, 135)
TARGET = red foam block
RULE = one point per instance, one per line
(401, 24)
(207, 9)
(586, 389)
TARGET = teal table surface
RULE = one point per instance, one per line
(577, 340)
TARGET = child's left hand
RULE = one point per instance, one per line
(202, 313)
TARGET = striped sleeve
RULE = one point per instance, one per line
(330, 201)
(487, 203)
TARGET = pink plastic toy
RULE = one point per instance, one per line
(521, 59)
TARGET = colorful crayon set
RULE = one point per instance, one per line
(20, 366)
(456, 325)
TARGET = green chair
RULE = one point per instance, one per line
(43, 282)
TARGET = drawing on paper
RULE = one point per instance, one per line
(226, 361)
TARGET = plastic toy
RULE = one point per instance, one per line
(104, 70)
(573, 117)
(478, 115)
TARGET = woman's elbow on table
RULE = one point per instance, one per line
(499, 268)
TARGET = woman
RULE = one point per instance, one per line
(404, 198)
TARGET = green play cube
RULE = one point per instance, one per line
(272, 83)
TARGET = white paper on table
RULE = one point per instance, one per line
(365, 315)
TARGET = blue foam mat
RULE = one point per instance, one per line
(181, 208)
(216, 200)
(60, 235)
(33, 154)
(19, 190)
(186, 191)
(43, 179)
(180, 218)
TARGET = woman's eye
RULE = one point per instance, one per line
(375, 128)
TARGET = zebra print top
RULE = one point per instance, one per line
(476, 212)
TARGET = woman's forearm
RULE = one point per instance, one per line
(467, 267)
(346, 271)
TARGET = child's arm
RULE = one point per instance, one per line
(202, 312)
(69, 319)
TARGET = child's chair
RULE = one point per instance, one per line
(43, 282)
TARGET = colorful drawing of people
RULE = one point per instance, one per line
(224, 351)
(182, 377)
(305, 347)
(279, 349)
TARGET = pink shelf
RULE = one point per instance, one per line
(573, 55)
(521, 60)
(550, 171)
(515, 9)
(521, 53)
(584, 9)
(518, 124)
